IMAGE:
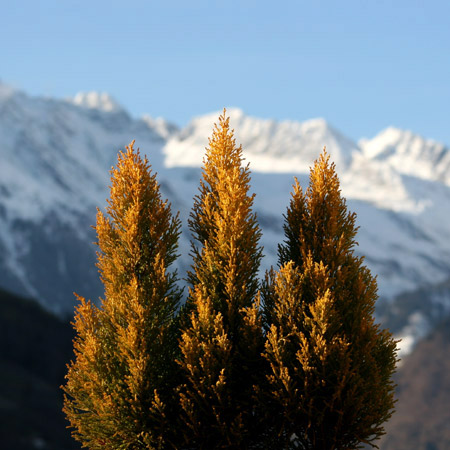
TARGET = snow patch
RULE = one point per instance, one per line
(418, 327)
(163, 127)
(97, 100)
(409, 154)
(6, 91)
(270, 146)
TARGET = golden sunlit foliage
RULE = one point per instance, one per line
(121, 381)
(331, 365)
(222, 340)
(308, 370)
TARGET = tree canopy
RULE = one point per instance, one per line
(119, 385)
(222, 342)
(331, 364)
(307, 369)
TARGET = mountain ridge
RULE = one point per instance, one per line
(56, 155)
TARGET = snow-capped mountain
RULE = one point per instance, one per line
(269, 146)
(55, 159)
(402, 217)
(54, 171)
(409, 154)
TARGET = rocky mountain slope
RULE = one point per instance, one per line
(55, 156)
(422, 414)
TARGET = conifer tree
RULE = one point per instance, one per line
(331, 365)
(119, 387)
(222, 341)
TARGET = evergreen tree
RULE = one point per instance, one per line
(119, 387)
(331, 365)
(222, 340)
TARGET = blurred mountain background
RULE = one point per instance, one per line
(55, 157)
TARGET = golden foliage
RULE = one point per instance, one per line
(311, 370)
(119, 382)
(331, 365)
(222, 340)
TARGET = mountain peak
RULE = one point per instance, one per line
(97, 100)
(162, 126)
(390, 137)
(409, 154)
(6, 90)
(318, 122)
(270, 145)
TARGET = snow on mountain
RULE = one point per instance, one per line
(402, 210)
(55, 160)
(164, 128)
(409, 154)
(269, 146)
(414, 314)
(96, 100)
(55, 157)
(399, 233)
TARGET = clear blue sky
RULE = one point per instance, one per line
(362, 65)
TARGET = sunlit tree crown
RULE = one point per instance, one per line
(331, 365)
(119, 383)
(222, 341)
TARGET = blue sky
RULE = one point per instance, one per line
(362, 65)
